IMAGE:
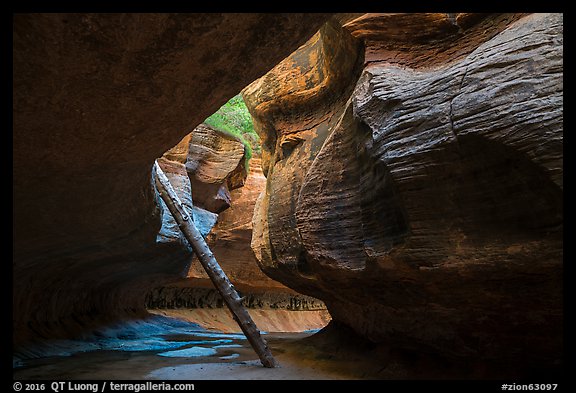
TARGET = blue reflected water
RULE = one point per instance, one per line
(168, 336)
(189, 352)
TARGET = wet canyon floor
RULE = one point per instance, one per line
(164, 348)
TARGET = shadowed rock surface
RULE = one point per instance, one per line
(428, 212)
(414, 179)
(96, 98)
(203, 219)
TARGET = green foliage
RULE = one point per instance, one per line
(234, 119)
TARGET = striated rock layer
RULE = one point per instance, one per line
(272, 309)
(421, 199)
(216, 165)
(230, 238)
(96, 98)
(202, 167)
(206, 158)
(294, 107)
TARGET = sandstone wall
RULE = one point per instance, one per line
(96, 99)
(428, 211)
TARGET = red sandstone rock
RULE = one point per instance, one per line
(211, 158)
(216, 165)
(428, 213)
(203, 219)
(294, 107)
(96, 99)
(230, 239)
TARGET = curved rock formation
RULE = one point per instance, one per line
(214, 162)
(96, 99)
(230, 238)
(428, 212)
(216, 165)
(202, 168)
(294, 107)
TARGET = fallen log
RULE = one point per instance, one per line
(221, 282)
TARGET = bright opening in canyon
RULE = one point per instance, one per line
(216, 171)
(383, 191)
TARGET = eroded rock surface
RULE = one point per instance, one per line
(428, 213)
(294, 107)
(203, 219)
(230, 239)
(205, 164)
(214, 161)
(216, 165)
(96, 99)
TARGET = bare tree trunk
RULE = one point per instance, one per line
(216, 274)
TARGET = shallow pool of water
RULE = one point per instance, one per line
(162, 348)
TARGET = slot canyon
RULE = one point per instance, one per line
(399, 214)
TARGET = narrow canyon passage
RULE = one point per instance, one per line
(384, 190)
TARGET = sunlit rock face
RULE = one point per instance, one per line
(295, 107)
(208, 159)
(216, 164)
(420, 195)
(230, 238)
(205, 165)
(96, 99)
(202, 167)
